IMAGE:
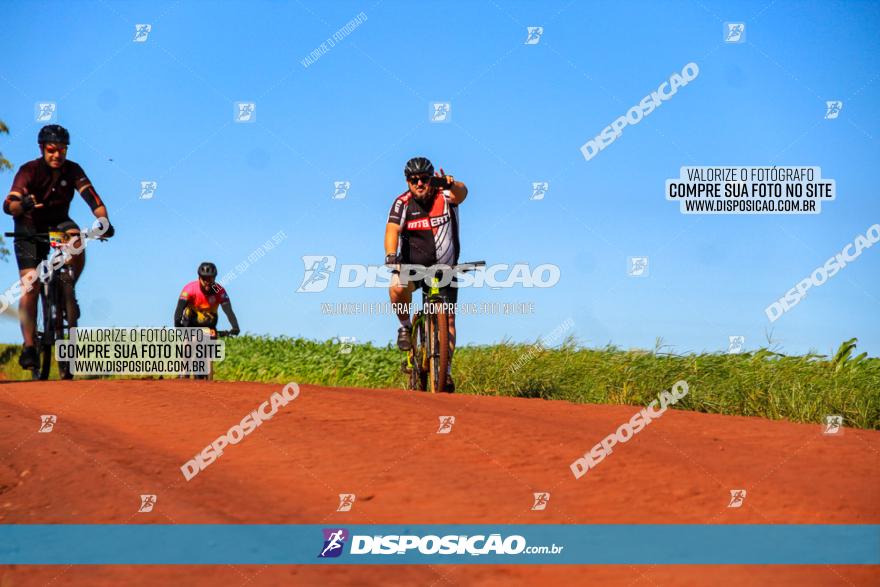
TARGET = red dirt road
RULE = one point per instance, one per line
(116, 440)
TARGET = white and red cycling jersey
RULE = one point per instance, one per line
(428, 230)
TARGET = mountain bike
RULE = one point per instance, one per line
(56, 308)
(428, 360)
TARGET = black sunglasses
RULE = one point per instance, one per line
(415, 179)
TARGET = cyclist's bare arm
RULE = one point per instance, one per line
(457, 190)
(233, 321)
(19, 191)
(392, 237)
(91, 197)
(12, 204)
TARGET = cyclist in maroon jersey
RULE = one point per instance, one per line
(39, 201)
(423, 223)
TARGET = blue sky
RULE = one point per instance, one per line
(163, 110)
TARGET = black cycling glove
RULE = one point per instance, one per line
(28, 202)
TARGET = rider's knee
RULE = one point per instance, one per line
(77, 246)
(399, 291)
(28, 280)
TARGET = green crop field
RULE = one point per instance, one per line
(761, 383)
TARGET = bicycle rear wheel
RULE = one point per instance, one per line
(439, 353)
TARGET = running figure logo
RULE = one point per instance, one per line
(833, 108)
(346, 344)
(342, 188)
(147, 503)
(441, 112)
(735, 344)
(334, 541)
(637, 267)
(141, 32)
(317, 272)
(446, 423)
(734, 32)
(833, 425)
(47, 423)
(539, 190)
(541, 500)
(346, 501)
(148, 190)
(737, 497)
(245, 112)
(534, 35)
(45, 111)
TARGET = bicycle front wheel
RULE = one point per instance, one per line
(66, 316)
(439, 352)
(45, 337)
(417, 359)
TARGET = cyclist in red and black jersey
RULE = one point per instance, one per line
(423, 222)
(39, 201)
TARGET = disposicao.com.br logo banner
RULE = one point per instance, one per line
(267, 544)
(429, 544)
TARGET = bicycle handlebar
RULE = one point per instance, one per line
(42, 236)
(470, 266)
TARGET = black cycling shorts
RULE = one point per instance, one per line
(29, 254)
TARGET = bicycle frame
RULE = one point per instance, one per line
(423, 329)
(428, 360)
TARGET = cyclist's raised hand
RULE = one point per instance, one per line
(442, 181)
(28, 203)
(457, 190)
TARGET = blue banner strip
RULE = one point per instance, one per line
(155, 544)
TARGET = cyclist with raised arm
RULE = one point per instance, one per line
(199, 300)
(422, 229)
(39, 201)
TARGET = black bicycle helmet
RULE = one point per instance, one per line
(207, 269)
(418, 166)
(53, 133)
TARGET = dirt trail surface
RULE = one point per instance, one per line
(116, 440)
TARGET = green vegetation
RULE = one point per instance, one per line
(762, 383)
(4, 166)
(4, 163)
